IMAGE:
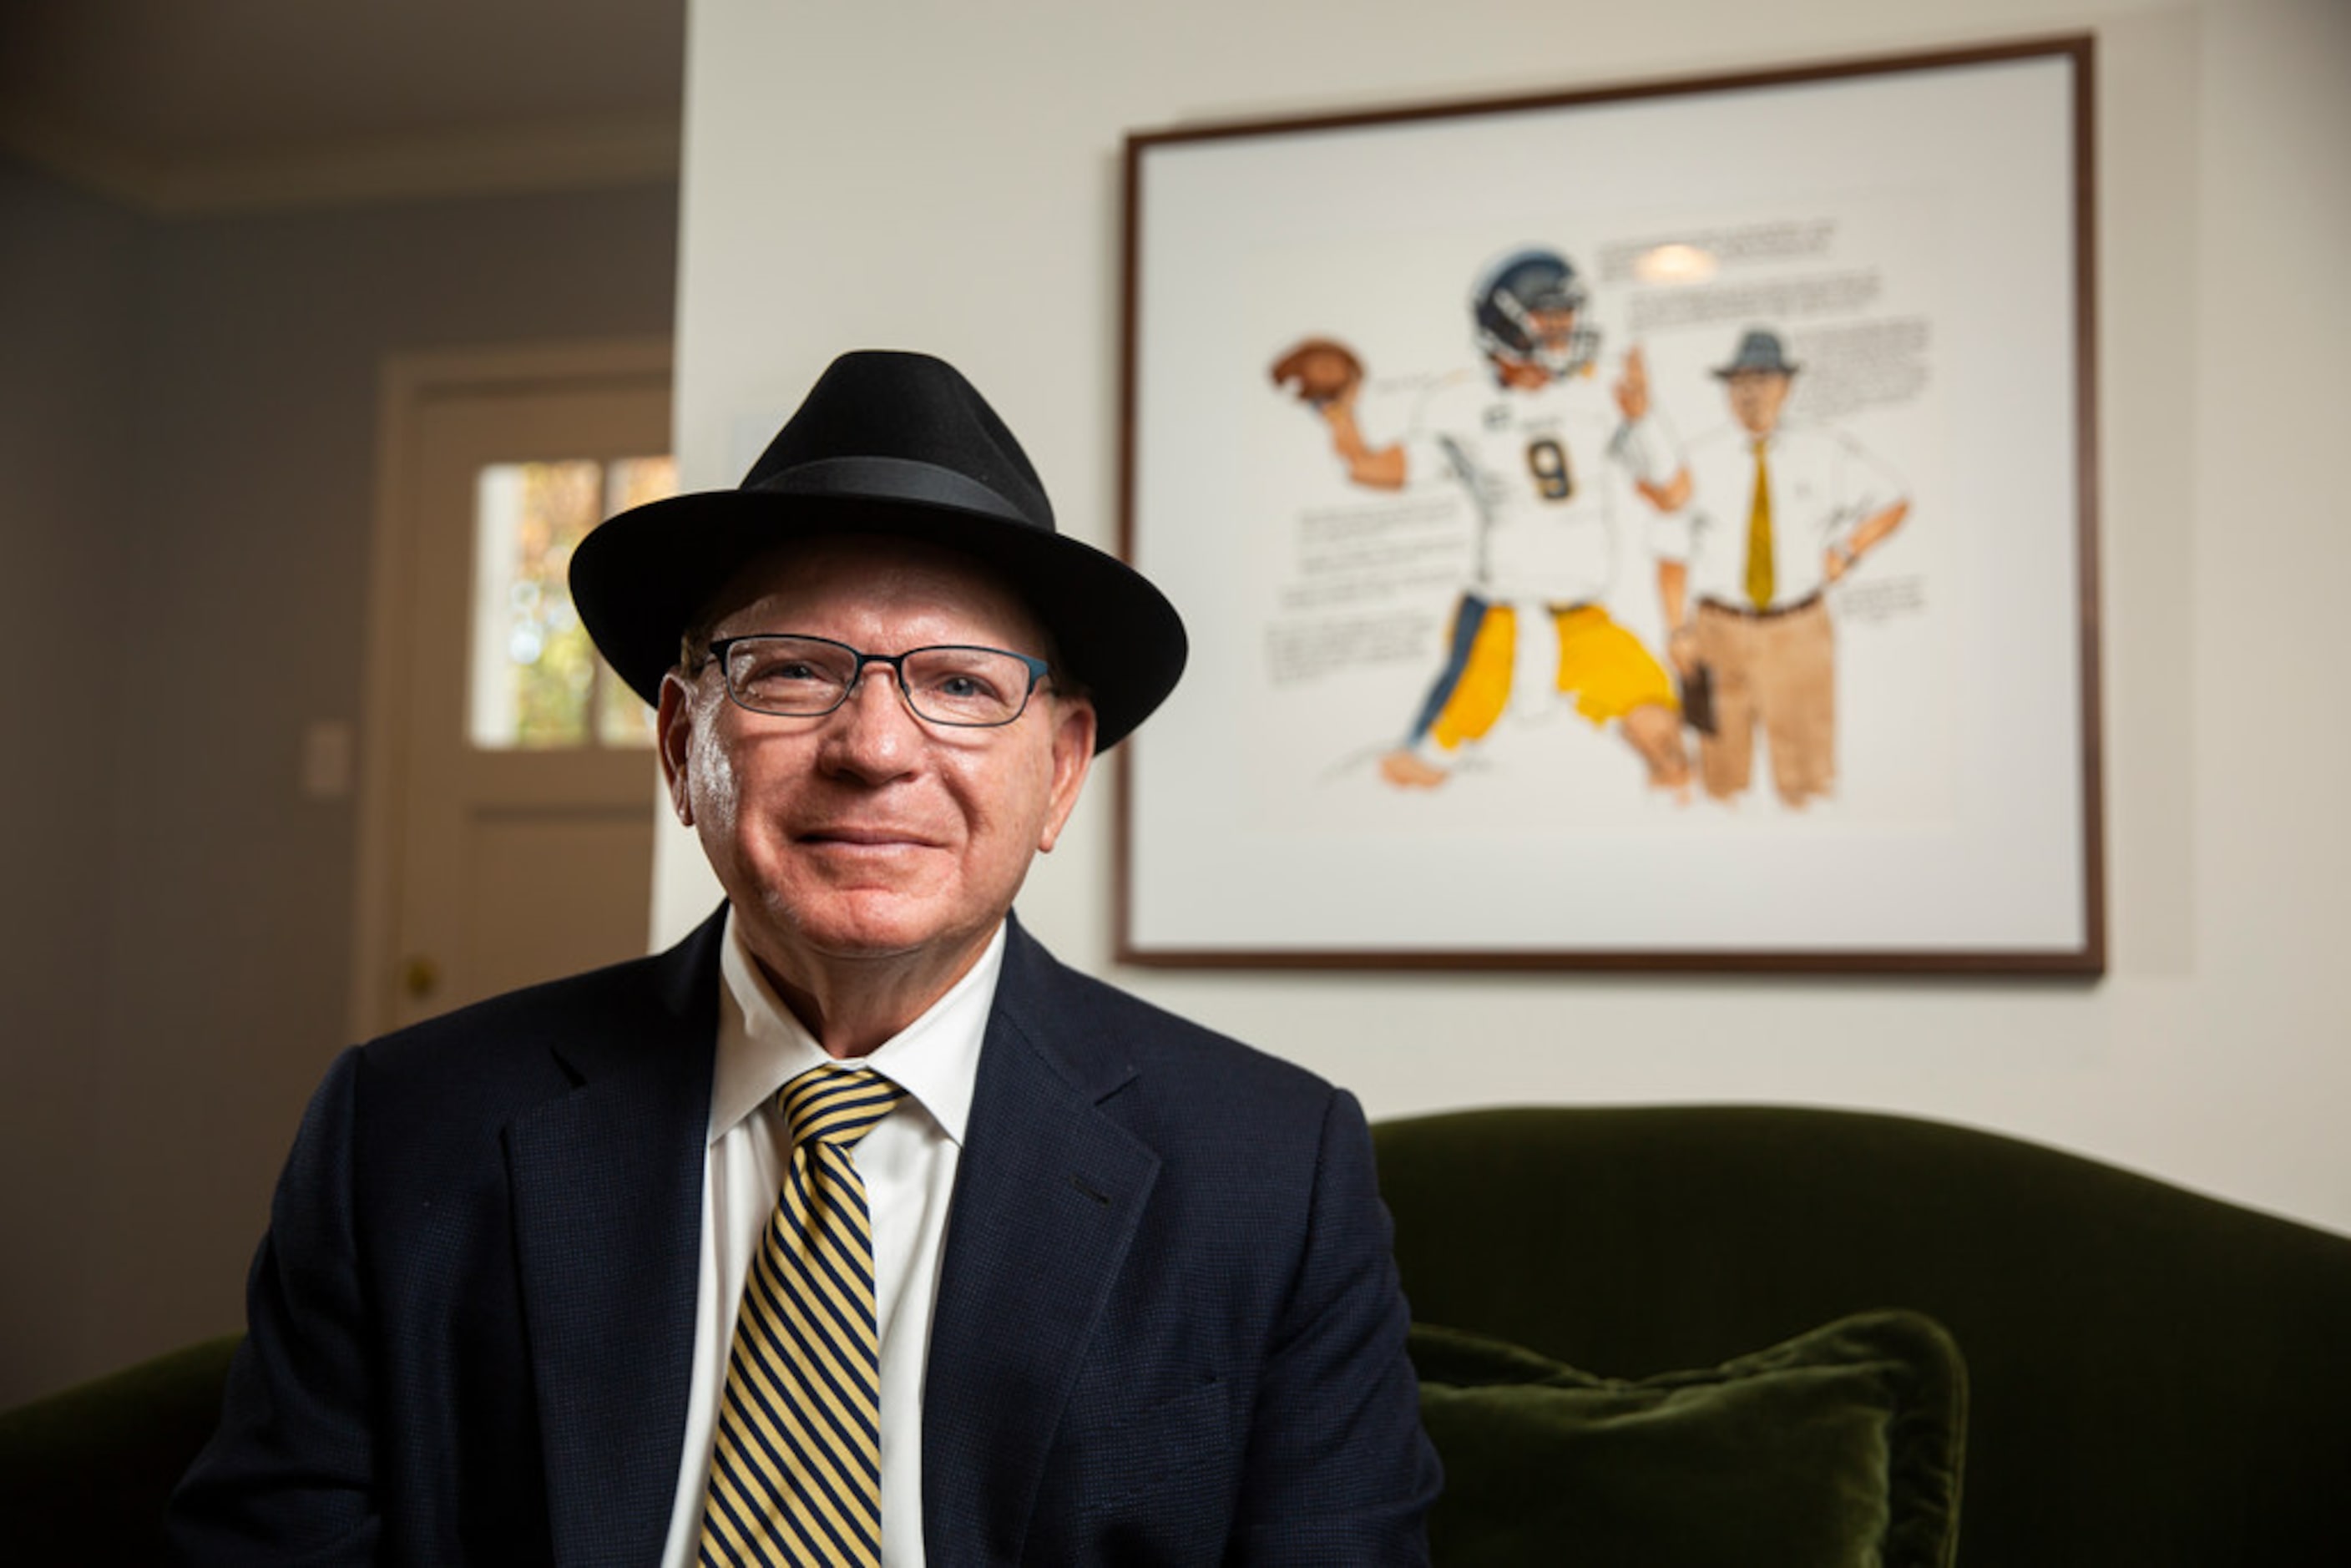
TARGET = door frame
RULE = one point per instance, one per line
(407, 383)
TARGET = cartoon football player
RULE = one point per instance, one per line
(1527, 436)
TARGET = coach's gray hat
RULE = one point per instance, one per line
(1757, 351)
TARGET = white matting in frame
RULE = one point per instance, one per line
(1331, 784)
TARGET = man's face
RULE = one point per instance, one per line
(1756, 397)
(868, 833)
(1554, 334)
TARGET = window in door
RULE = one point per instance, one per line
(536, 681)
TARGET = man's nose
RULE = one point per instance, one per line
(873, 732)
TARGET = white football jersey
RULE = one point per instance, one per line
(1535, 465)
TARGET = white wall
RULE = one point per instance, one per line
(946, 177)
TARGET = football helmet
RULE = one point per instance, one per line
(1512, 298)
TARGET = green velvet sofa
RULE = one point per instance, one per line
(1661, 1337)
(2150, 1378)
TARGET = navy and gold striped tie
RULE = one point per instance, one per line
(796, 1473)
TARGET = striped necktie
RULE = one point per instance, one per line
(795, 1473)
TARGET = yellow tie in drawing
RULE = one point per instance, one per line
(796, 1474)
(1760, 584)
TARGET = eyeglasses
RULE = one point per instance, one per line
(807, 678)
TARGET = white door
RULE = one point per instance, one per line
(521, 797)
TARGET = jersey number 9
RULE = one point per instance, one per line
(1547, 461)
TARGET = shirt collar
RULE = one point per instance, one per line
(762, 1046)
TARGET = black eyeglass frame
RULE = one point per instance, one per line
(1039, 672)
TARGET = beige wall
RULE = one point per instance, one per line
(946, 177)
(187, 427)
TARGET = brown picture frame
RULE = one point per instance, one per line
(1911, 188)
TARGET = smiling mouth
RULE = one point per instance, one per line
(863, 839)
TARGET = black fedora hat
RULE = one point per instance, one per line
(895, 445)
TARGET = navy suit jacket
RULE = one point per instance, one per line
(1168, 1327)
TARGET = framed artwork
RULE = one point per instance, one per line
(1646, 527)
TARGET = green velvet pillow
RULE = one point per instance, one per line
(1839, 1449)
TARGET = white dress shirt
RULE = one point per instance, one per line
(908, 1164)
(1823, 486)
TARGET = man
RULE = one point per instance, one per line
(854, 1229)
(1528, 440)
(1781, 513)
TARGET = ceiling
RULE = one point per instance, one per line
(196, 105)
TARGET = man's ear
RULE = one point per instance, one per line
(1073, 754)
(674, 726)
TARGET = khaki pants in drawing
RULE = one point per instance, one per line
(1779, 670)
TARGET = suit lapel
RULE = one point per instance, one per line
(1048, 1195)
(606, 1184)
